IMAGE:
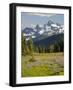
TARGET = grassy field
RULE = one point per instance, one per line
(43, 64)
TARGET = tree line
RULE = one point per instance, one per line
(29, 48)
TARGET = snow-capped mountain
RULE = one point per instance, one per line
(45, 30)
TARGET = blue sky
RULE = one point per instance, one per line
(28, 19)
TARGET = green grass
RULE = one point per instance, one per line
(43, 64)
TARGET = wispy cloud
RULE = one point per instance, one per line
(41, 14)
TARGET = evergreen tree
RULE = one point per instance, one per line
(56, 47)
(22, 42)
(48, 49)
(31, 48)
(51, 48)
(43, 49)
(40, 49)
(30, 44)
(61, 44)
(24, 47)
(36, 49)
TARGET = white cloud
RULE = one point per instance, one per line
(42, 14)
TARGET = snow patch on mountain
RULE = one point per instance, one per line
(41, 31)
(47, 29)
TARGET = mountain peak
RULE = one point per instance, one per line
(42, 31)
(50, 22)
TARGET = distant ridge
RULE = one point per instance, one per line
(49, 40)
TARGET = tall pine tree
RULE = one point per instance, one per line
(30, 44)
(25, 49)
(31, 48)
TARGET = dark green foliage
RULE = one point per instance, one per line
(30, 45)
(43, 49)
(51, 48)
(36, 49)
(48, 50)
(40, 49)
(61, 44)
(29, 48)
(22, 45)
(25, 49)
(56, 47)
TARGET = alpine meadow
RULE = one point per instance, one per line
(42, 44)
